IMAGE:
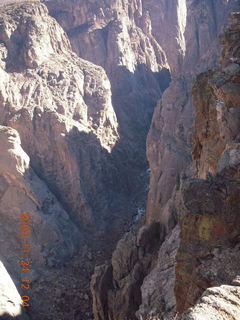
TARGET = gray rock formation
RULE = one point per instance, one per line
(208, 249)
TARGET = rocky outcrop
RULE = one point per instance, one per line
(116, 287)
(158, 298)
(208, 255)
(61, 102)
(169, 139)
(216, 95)
(59, 106)
(207, 252)
(202, 251)
(217, 303)
(118, 35)
(72, 147)
(10, 300)
(31, 214)
(169, 148)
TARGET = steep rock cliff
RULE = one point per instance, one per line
(118, 36)
(208, 255)
(59, 106)
(82, 160)
(169, 138)
(208, 249)
(195, 259)
(61, 102)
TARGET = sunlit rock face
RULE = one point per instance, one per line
(73, 154)
(135, 41)
(210, 304)
(217, 99)
(58, 130)
(204, 255)
(57, 102)
(10, 300)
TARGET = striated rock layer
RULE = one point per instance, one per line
(208, 206)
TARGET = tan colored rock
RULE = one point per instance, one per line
(158, 298)
(61, 102)
(117, 35)
(169, 154)
(208, 253)
(168, 147)
(217, 303)
(60, 107)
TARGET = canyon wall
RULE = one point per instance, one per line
(118, 36)
(58, 129)
(169, 138)
(192, 254)
(209, 217)
(205, 254)
(73, 130)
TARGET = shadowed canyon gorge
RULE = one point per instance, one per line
(120, 159)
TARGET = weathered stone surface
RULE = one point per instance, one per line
(82, 163)
(118, 36)
(169, 138)
(116, 287)
(168, 147)
(169, 153)
(158, 297)
(208, 255)
(52, 237)
(61, 102)
(60, 106)
(217, 303)
(217, 99)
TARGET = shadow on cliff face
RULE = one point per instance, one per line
(135, 96)
(114, 185)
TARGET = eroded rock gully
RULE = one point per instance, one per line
(73, 155)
